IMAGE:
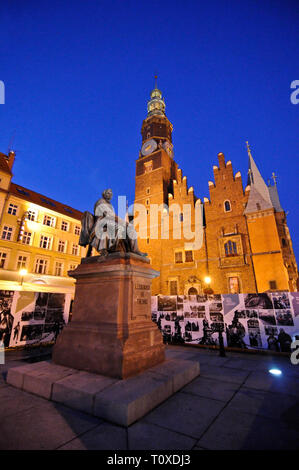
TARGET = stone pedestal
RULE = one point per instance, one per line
(111, 332)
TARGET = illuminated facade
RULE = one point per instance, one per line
(246, 245)
(38, 237)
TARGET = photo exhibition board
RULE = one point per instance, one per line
(247, 321)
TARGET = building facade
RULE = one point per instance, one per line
(244, 243)
(38, 237)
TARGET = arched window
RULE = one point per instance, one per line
(227, 206)
(192, 291)
(230, 248)
(284, 243)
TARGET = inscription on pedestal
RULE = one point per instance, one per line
(141, 298)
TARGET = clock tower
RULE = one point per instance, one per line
(155, 172)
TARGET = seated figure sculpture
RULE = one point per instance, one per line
(105, 231)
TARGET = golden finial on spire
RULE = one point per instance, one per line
(248, 148)
(156, 76)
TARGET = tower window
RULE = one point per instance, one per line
(181, 217)
(173, 287)
(258, 206)
(188, 256)
(234, 285)
(230, 248)
(284, 243)
(227, 206)
(272, 285)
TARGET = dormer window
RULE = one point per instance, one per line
(227, 206)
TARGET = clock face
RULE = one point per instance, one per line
(149, 147)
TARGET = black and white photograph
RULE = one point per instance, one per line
(27, 316)
(252, 313)
(271, 330)
(260, 301)
(167, 302)
(281, 300)
(6, 317)
(31, 332)
(267, 317)
(235, 333)
(284, 317)
(216, 317)
(284, 340)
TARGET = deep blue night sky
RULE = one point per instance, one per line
(78, 76)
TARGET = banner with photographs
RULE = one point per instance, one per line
(30, 317)
(247, 321)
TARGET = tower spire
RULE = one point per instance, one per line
(259, 197)
(156, 105)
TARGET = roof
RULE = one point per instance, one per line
(259, 197)
(275, 198)
(3, 164)
(44, 201)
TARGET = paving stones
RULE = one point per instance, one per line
(118, 401)
(245, 431)
(186, 414)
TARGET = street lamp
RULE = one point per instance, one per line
(207, 280)
(22, 273)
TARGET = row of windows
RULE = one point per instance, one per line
(187, 256)
(178, 256)
(45, 242)
(48, 220)
(41, 265)
(234, 286)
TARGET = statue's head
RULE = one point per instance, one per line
(107, 194)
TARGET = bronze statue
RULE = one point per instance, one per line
(105, 231)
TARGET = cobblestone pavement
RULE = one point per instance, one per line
(234, 404)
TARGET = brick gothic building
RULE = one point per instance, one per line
(246, 242)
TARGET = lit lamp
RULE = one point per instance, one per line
(22, 273)
(207, 280)
(207, 289)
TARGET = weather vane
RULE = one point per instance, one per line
(274, 177)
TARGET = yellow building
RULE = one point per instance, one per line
(246, 244)
(38, 237)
